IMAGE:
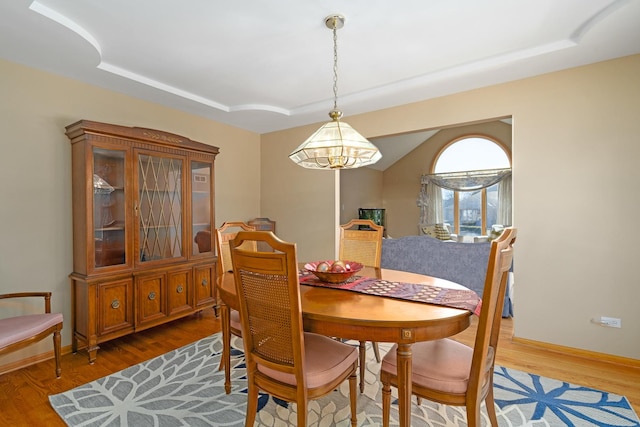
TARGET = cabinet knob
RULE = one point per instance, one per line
(115, 304)
(179, 289)
(204, 282)
(152, 296)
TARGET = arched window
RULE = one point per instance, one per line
(471, 207)
(470, 154)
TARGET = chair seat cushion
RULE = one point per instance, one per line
(325, 360)
(16, 329)
(234, 322)
(442, 365)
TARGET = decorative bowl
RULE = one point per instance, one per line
(351, 268)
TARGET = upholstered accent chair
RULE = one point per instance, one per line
(20, 331)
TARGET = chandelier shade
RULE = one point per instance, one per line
(336, 145)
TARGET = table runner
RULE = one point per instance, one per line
(418, 292)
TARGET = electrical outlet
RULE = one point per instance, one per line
(612, 322)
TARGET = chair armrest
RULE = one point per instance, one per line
(45, 295)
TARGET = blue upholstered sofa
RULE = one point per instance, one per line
(463, 263)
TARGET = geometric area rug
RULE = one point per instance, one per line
(185, 388)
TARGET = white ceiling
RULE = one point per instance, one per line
(267, 65)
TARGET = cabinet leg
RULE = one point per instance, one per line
(92, 349)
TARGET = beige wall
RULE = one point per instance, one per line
(35, 194)
(575, 182)
(359, 188)
(304, 202)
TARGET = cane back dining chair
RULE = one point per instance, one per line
(20, 331)
(229, 318)
(451, 373)
(361, 241)
(281, 358)
(203, 241)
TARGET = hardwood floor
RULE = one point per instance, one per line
(24, 393)
(598, 374)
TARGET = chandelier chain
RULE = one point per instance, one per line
(335, 65)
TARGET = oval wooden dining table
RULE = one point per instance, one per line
(351, 315)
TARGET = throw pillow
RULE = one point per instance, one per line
(442, 232)
(496, 231)
(429, 230)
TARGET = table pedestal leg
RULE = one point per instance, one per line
(363, 362)
(404, 384)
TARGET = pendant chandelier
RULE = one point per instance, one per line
(336, 145)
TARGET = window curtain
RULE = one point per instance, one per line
(504, 201)
(430, 203)
(430, 197)
(468, 181)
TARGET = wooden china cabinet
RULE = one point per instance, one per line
(140, 196)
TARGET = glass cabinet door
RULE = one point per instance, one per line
(201, 207)
(159, 207)
(109, 207)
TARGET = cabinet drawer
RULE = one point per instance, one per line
(205, 290)
(179, 292)
(115, 302)
(150, 298)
